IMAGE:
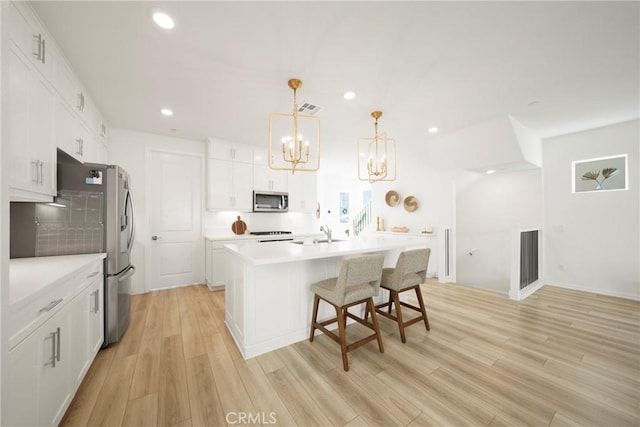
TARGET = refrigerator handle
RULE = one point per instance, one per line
(133, 222)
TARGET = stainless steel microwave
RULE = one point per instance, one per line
(270, 201)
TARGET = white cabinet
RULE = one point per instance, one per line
(268, 179)
(222, 150)
(30, 38)
(303, 192)
(38, 376)
(229, 177)
(31, 117)
(215, 268)
(87, 327)
(264, 178)
(67, 131)
(56, 342)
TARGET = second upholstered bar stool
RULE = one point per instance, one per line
(358, 282)
(409, 274)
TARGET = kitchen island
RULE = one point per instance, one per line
(268, 299)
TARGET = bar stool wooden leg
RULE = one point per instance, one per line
(374, 320)
(314, 316)
(422, 309)
(389, 303)
(340, 313)
(396, 301)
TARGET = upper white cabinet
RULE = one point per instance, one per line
(229, 177)
(222, 150)
(303, 192)
(264, 178)
(40, 84)
(30, 38)
(31, 120)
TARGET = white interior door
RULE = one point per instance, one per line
(175, 190)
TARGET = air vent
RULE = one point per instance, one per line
(308, 108)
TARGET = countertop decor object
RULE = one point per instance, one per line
(239, 226)
(392, 198)
(400, 229)
(410, 204)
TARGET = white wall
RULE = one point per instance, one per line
(592, 239)
(489, 208)
(129, 149)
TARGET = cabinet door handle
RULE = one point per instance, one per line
(49, 306)
(58, 346)
(34, 176)
(41, 173)
(94, 274)
(38, 53)
(52, 359)
(44, 50)
(96, 300)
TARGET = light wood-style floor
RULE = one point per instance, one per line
(560, 358)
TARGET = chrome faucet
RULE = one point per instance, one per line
(327, 231)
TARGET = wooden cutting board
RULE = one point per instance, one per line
(239, 226)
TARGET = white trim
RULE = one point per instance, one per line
(599, 291)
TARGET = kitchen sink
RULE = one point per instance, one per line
(301, 242)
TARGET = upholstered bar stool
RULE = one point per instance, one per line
(358, 282)
(410, 272)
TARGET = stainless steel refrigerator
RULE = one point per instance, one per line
(101, 219)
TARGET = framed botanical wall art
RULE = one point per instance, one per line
(599, 174)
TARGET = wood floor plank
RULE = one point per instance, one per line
(146, 379)
(142, 412)
(130, 342)
(80, 408)
(364, 401)
(300, 404)
(233, 395)
(190, 329)
(334, 408)
(155, 315)
(263, 395)
(204, 401)
(112, 401)
(173, 395)
(171, 309)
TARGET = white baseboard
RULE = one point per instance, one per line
(607, 292)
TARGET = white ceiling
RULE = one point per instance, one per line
(225, 65)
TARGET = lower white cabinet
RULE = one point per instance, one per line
(215, 268)
(46, 368)
(39, 380)
(87, 328)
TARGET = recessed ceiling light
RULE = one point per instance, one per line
(490, 171)
(166, 112)
(432, 129)
(349, 95)
(533, 103)
(163, 20)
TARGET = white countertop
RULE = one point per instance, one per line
(281, 252)
(248, 237)
(29, 276)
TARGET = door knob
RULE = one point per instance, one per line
(155, 238)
